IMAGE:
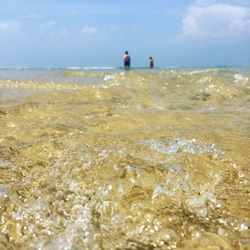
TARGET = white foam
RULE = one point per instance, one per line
(109, 77)
(93, 68)
(238, 77)
(171, 146)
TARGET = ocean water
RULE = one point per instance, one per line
(111, 159)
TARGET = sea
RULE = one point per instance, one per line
(104, 158)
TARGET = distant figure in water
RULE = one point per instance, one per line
(126, 60)
(151, 62)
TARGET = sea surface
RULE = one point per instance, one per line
(104, 158)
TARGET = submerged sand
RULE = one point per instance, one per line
(145, 160)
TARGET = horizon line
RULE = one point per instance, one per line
(117, 67)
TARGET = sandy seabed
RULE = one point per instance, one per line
(141, 160)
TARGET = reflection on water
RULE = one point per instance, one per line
(144, 160)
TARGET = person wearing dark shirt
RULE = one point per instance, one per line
(126, 60)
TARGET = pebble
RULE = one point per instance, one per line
(4, 164)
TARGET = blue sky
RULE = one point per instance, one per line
(52, 33)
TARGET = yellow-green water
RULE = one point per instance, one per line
(145, 160)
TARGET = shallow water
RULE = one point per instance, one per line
(134, 160)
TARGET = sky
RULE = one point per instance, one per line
(82, 33)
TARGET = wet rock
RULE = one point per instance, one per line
(201, 97)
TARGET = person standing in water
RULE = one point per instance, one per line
(151, 62)
(126, 60)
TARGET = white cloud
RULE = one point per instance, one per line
(216, 21)
(89, 31)
(94, 35)
(9, 25)
(48, 24)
